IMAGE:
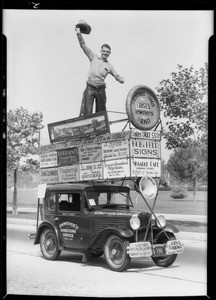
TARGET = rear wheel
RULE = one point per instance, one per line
(49, 245)
(168, 260)
(115, 252)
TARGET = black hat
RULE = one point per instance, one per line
(84, 27)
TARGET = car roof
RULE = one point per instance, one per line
(80, 186)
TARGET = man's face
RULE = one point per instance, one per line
(105, 52)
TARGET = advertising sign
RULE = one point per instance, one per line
(116, 168)
(145, 148)
(142, 167)
(150, 134)
(91, 171)
(69, 173)
(68, 156)
(49, 175)
(84, 126)
(142, 107)
(86, 141)
(91, 153)
(48, 159)
(115, 150)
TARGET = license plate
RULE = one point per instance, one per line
(174, 247)
(139, 249)
(159, 250)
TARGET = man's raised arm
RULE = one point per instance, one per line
(82, 43)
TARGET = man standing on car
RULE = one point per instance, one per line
(99, 68)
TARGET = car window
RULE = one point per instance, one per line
(69, 201)
(50, 202)
(108, 198)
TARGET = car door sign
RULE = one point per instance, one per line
(68, 230)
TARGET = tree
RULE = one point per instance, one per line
(22, 138)
(22, 141)
(189, 164)
(183, 100)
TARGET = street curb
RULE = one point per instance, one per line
(192, 236)
(21, 221)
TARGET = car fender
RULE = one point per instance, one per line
(171, 228)
(102, 235)
(168, 228)
(47, 224)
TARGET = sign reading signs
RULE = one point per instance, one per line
(145, 148)
(142, 107)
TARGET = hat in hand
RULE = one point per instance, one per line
(84, 27)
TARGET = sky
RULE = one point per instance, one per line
(47, 70)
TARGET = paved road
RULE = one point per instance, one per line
(29, 273)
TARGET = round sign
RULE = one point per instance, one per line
(142, 107)
(148, 187)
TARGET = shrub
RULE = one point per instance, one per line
(178, 193)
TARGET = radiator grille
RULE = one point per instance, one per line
(99, 225)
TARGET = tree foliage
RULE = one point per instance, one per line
(183, 100)
(22, 138)
(189, 164)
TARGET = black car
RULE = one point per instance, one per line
(100, 219)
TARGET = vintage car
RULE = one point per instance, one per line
(100, 219)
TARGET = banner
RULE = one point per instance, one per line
(68, 156)
(69, 173)
(91, 153)
(50, 175)
(91, 171)
(48, 159)
(116, 168)
(150, 134)
(115, 150)
(141, 167)
(145, 148)
(83, 126)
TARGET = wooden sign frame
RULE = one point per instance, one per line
(78, 128)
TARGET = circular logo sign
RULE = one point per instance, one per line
(142, 107)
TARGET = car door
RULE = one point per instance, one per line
(69, 219)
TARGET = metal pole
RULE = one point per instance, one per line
(38, 206)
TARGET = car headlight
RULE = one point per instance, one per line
(135, 222)
(160, 221)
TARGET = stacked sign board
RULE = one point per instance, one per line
(83, 148)
(125, 154)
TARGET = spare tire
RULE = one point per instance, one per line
(142, 107)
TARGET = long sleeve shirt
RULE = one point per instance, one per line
(98, 69)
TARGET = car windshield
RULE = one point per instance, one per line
(108, 198)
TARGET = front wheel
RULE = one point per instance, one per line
(48, 244)
(115, 252)
(168, 260)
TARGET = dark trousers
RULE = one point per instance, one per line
(90, 94)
